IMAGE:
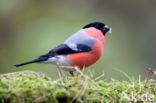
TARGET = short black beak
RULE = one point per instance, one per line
(106, 29)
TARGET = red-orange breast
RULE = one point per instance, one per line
(85, 59)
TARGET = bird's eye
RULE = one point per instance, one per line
(99, 26)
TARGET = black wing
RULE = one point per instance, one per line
(64, 49)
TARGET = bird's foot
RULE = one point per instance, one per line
(77, 70)
(74, 70)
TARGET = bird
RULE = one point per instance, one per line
(79, 51)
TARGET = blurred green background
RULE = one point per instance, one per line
(29, 28)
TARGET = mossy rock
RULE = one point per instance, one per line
(34, 87)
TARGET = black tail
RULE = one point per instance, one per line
(40, 59)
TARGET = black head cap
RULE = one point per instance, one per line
(98, 25)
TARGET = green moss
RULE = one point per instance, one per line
(34, 87)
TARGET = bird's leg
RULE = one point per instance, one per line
(61, 74)
(75, 70)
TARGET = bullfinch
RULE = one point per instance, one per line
(80, 50)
